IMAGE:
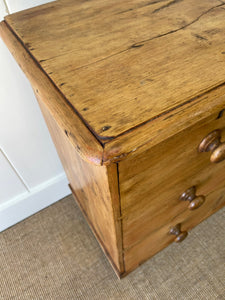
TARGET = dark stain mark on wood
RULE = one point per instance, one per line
(31, 49)
(61, 84)
(200, 37)
(85, 108)
(137, 45)
(78, 148)
(42, 60)
(28, 45)
(220, 114)
(50, 73)
(66, 132)
(106, 127)
(223, 52)
(167, 5)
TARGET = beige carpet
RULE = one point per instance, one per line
(53, 255)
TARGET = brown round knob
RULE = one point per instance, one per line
(180, 235)
(190, 195)
(212, 142)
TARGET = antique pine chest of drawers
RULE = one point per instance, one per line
(133, 94)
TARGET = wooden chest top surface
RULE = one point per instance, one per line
(130, 73)
(121, 64)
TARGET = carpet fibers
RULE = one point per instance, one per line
(54, 256)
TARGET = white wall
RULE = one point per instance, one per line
(31, 175)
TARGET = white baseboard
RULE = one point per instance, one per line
(27, 204)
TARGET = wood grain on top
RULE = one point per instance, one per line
(120, 64)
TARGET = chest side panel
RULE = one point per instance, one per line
(96, 191)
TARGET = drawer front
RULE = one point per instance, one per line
(151, 183)
(139, 223)
(161, 238)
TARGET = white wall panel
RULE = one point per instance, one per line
(10, 183)
(31, 175)
(23, 133)
(24, 205)
(17, 5)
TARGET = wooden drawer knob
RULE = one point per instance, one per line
(212, 143)
(190, 195)
(180, 235)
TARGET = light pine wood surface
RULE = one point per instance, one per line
(161, 238)
(152, 182)
(120, 65)
(115, 79)
(96, 191)
(129, 90)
